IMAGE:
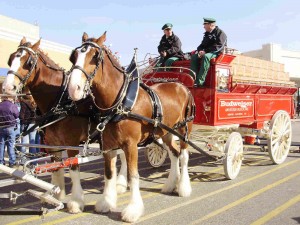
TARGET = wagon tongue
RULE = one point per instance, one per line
(51, 167)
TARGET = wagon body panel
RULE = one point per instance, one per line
(250, 110)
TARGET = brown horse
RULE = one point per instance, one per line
(31, 68)
(94, 65)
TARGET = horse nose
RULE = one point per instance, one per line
(77, 87)
(8, 88)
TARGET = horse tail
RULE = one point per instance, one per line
(190, 110)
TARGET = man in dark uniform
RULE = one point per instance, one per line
(169, 47)
(213, 43)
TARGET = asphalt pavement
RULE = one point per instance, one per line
(263, 193)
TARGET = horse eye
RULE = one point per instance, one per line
(83, 49)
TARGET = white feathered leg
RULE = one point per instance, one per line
(58, 179)
(173, 177)
(109, 201)
(135, 208)
(76, 204)
(122, 177)
(184, 185)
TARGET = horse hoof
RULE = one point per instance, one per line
(184, 188)
(121, 189)
(75, 207)
(185, 192)
(104, 207)
(132, 213)
(167, 189)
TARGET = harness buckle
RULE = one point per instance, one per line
(121, 111)
(156, 121)
(100, 129)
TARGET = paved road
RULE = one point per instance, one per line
(262, 194)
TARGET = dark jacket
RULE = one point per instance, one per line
(213, 41)
(172, 45)
(9, 114)
(27, 112)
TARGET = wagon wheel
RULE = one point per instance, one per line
(234, 155)
(280, 138)
(155, 155)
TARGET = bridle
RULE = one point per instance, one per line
(89, 77)
(31, 61)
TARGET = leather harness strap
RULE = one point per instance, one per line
(172, 131)
(157, 114)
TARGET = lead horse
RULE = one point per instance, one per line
(95, 68)
(30, 67)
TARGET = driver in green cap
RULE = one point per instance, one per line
(213, 43)
(169, 47)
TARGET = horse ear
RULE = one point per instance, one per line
(85, 36)
(36, 45)
(101, 39)
(23, 41)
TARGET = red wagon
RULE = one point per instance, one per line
(243, 99)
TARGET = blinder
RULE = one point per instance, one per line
(11, 58)
(97, 56)
(29, 61)
(73, 56)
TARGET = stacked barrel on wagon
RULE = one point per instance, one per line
(243, 99)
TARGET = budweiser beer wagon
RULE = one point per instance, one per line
(243, 100)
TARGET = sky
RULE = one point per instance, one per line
(137, 24)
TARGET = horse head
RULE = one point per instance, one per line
(86, 60)
(21, 63)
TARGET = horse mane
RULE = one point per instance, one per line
(47, 59)
(113, 57)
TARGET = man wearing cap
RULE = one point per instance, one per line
(169, 47)
(213, 43)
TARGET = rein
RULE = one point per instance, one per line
(171, 130)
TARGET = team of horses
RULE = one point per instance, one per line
(96, 80)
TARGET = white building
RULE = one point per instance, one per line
(11, 33)
(275, 52)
